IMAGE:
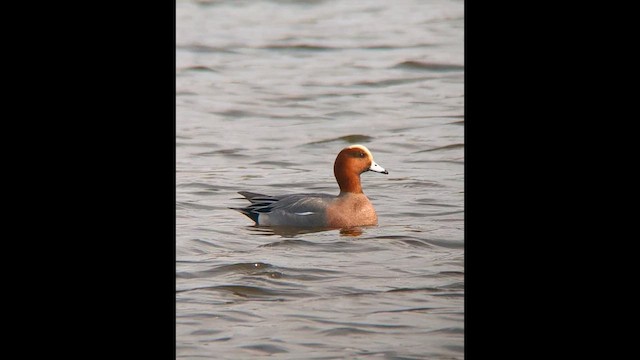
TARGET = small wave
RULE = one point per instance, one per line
(343, 331)
(267, 349)
(432, 202)
(357, 325)
(238, 268)
(417, 243)
(193, 206)
(440, 148)
(198, 69)
(351, 139)
(289, 244)
(448, 331)
(391, 82)
(418, 184)
(195, 185)
(393, 355)
(330, 247)
(259, 292)
(199, 188)
(456, 273)
(427, 289)
(392, 47)
(223, 152)
(242, 290)
(204, 332)
(449, 244)
(298, 47)
(408, 240)
(261, 270)
(234, 113)
(283, 164)
(447, 213)
(418, 309)
(417, 65)
(197, 48)
(437, 162)
(344, 114)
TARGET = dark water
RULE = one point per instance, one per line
(268, 92)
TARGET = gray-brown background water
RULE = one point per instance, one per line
(267, 93)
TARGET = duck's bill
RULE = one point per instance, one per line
(377, 168)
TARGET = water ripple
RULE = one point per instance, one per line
(417, 65)
(252, 292)
(418, 309)
(266, 349)
(391, 82)
(349, 139)
(261, 270)
(194, 206)
(236, 152)
(198, 48)
(330, 247)
(198, 68)
(446, 147)
(345, 331)
(298, 47)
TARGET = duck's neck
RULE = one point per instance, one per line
(349, 184)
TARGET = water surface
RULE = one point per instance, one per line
(267, 94)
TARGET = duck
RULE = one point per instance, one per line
(350, 208)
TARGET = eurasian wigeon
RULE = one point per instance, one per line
(349, 209)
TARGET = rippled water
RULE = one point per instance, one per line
(268, 92)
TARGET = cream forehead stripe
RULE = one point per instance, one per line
(363, 148)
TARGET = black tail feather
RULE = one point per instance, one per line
(253, 216)
(260, 203)
(251, 195)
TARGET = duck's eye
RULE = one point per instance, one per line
(361, 155)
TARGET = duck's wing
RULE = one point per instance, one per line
(292, 210)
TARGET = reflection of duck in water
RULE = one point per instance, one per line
(349, 209)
